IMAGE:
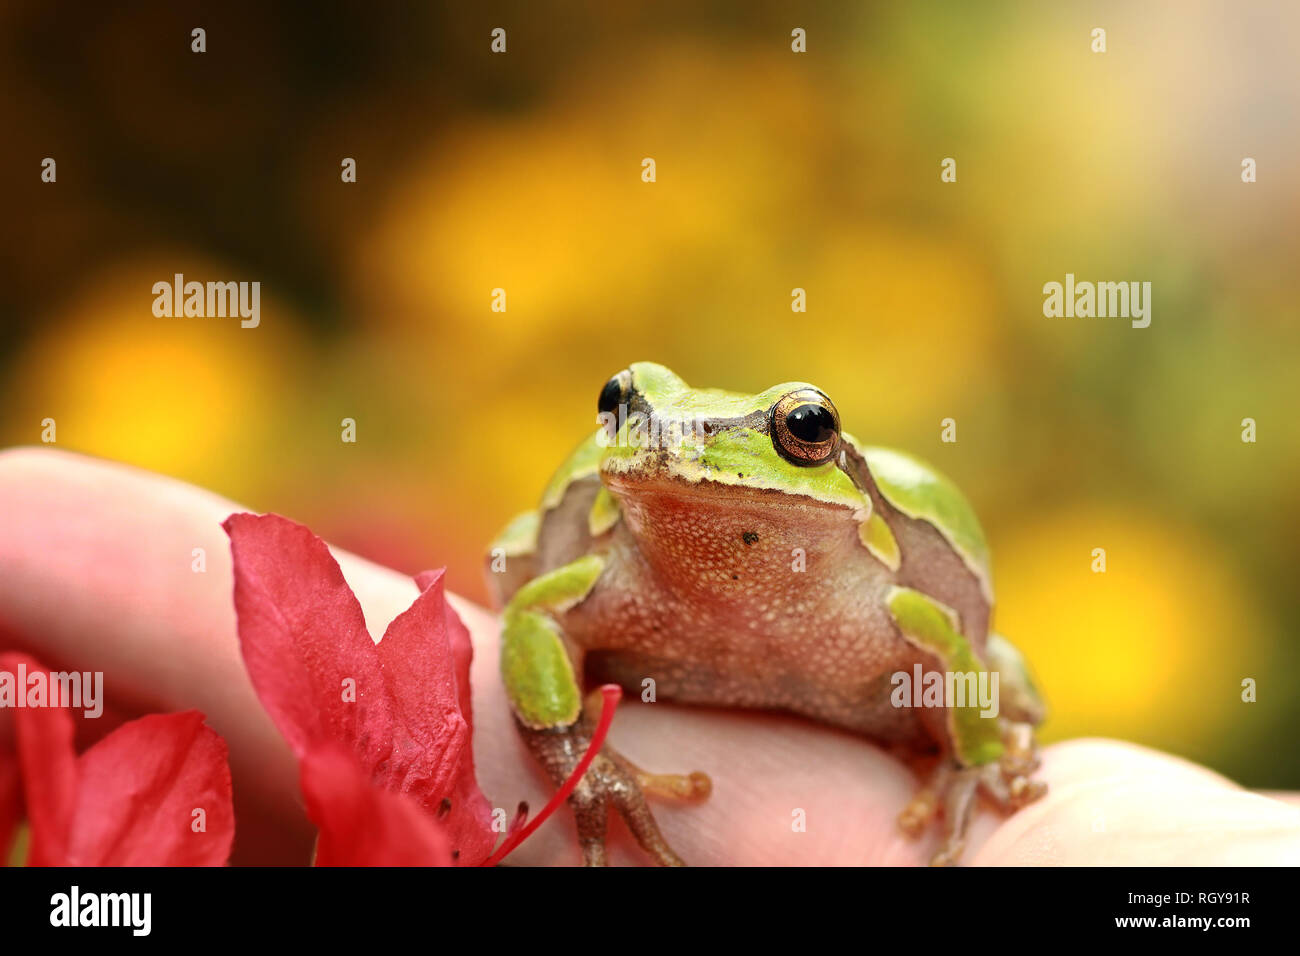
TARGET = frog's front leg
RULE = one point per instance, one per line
(993, 754)
(540, 671)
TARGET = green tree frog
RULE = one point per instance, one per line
(741, 550)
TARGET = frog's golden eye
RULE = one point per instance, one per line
(805, 427)
(615, 393)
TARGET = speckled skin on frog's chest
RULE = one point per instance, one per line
(701, 593)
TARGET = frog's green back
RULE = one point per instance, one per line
(919, 491)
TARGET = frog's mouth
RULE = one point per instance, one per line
(661, 474)
(739, 492)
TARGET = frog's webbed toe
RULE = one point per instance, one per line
(680, 787)
(951, 792)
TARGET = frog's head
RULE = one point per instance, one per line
(661, 437)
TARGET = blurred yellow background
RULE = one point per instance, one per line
(775, 170)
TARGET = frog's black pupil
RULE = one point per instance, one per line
(610, 396)
(811, 423)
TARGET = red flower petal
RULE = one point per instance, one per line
(139, 792)
(130, 799)
(425, 655)
(11, 802)
(305, 642)
(462, 648)
(49, 770)
(361, 824)
(304, 639)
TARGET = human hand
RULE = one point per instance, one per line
(95, 574)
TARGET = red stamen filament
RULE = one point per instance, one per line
(611, 694)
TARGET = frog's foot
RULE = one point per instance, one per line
(924, 806)
(604, 784)
(950, 792)
(1018, 761)
(952, 789)
(958, 801)
(612, 781)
